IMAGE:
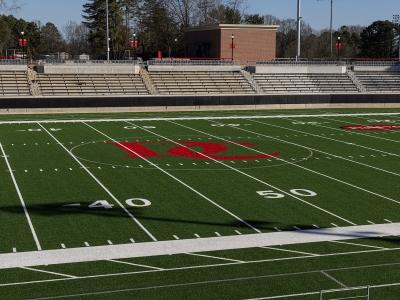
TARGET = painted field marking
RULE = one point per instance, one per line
(387, 220)
(320, 151)
(63, 246)
(241, 172)
(86, 244)
(294, 164)
(217, 234)
(176, 237)
(333, 279)
(14, 250)
(315, 226)
(238, 232)
(216, 281)
(21, 199)
(49, 272)
(197, 236)
(174, 177)
(277, 229)
(101, 120)
(215, 257)
(290, 251)
(132, 240)
(134, 264)
(100, 184)
(358, 133)
(356, 244)
(211, 266)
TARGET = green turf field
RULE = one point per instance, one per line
(71, 181)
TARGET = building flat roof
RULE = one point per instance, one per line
(233, 26)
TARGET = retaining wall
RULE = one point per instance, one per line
(301, 69)
(197, 101)
(89, 69)
(193, 68)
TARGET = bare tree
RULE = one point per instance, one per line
(204, 8)
(182, 11)
(76, 36)
(7, 6)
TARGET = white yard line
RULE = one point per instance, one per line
(290, 163)
(333, 279)
(317, 150)
(243, 173)
(96, 253)
(356, 244)
(49, 272)
(176, 179)
(100, 184)
(49, 121)
(135, 265)
(215, 257)
(21, 199)
(291, 251)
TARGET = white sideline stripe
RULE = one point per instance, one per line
(291, 251)
(356, 244)
(133, 264)
(214, 266)
(215, 281)
(216, 257)
(334, 279)
(175, 178)
(252, 177)
(49, 272)
(21, 199)
(107, 252)
(101, 184)
(296, 165)
(320, 151)
(197, 118)
(360, 133)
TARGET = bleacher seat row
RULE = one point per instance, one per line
(380, 81)
(14, 83)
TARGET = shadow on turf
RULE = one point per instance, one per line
(52, 210)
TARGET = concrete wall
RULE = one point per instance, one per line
(192, 68)
(302, 69)
(90, 69)
(395, 68)
(13, 68)
(196, 101)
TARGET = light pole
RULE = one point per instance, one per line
(232, 45)
(23, 43)
(331, 28)
(396, 22)
(298, 30)
(338, 47)
(107, 33)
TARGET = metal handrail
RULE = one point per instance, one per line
(185, 62)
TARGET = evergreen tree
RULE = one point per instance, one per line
(377, 40)
(94, 13)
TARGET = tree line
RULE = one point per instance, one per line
(160, 25)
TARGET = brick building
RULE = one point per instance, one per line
(251, 42)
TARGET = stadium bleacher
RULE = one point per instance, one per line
(385, 82)
(91, 84)
(14, 83)
(200, 82)
(305, 83)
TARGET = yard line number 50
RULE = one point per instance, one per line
(296, 192)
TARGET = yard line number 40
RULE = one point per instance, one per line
(296, 192)
(133, 202)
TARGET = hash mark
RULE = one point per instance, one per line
(176, 237)
(63, 246)
(217, 234)
(14, 250)
(387, 220)
(297, 228)
(109, 242)
(277, 229)
(334, 225)
(370, 222)
(86, 244)
(238, 232)
(196, 235)
(132, 240)
(315, 226)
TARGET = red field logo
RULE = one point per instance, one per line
(372, 127)
(201, 150)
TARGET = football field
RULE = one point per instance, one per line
(224, 205)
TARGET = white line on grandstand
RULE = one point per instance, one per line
(21, 199)
(100, 184)
(291, 163)
(215, 257)
(211, 266)
(176, 179)
(49, 272)
(243, 173)
(333, 279)
(211, 282)
(356, 244)
(291, 251)
(135, 265)
(49, 121)
(359, 133)
(320, 151)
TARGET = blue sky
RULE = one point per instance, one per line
(315, 12)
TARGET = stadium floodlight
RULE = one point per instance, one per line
(331, 27)
(107, 33)
(298, 30)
